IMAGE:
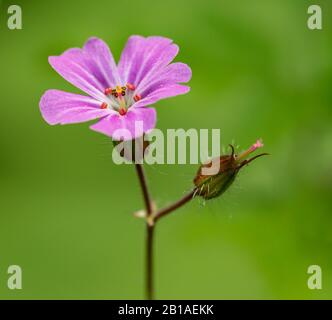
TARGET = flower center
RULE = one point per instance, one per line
(121, 98)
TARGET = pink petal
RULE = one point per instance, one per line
(131, 57)
(142, 57)
(91, 69)
(172, 74)
(103, 61)
(59, 107)
(123, 127)
(165, 91)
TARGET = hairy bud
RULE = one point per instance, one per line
(213, 185)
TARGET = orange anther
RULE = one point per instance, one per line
(122, 111)
(108, 91)
(131, 86)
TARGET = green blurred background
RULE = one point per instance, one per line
(66, 209)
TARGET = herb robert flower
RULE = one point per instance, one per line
(118, 94)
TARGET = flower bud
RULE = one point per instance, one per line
(226, 167)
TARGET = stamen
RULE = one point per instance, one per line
(108, 91)
(122, 111)
(121, 97)
(119, 89)
(122, 102)
(131, 86)
(137, 97)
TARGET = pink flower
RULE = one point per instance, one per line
(118, 94)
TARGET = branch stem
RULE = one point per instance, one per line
(149, 262)
(149, 276)
(172, 207)
(149, 288)
(144, 187)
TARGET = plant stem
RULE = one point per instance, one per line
(149, 234)
(144, 186)
(150, 226)
(161, 213)
(149, 262)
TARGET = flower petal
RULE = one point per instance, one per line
(130, 126)
(102, 61)
(131, 58)
(91, 69)
(59, 107)
(166, 91)
(172, 74)
(72, 65)
(142, 57)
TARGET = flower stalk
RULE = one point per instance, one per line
(205, 186)
(172, 207)
(149, 232)
(151, 217)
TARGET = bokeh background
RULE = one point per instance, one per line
(66, 208)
